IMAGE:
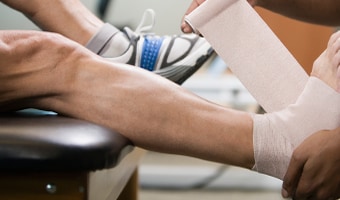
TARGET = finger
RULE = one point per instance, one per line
(292, 176)
(186, 28)
(309, 183)
(323, 192)
(194, 4)
(327, 191)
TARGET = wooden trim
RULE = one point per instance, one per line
(33, 186)
(304, 40)
(130, 190)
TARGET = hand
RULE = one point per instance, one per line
(313, 172)
(194, 4)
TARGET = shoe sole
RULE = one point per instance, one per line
(181, 72)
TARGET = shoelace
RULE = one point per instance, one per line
(143, 27)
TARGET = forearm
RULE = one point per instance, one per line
(67, 17)
(325, 12)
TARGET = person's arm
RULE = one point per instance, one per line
(325, 12)
(67, 17)
(313, 172)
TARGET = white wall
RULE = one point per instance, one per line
(11, 19)
(168, 13)
(120, 13)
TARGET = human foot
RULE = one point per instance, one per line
(34, 65)
(277, 134)
(326, 66)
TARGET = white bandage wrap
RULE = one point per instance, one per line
(277, 134)
(272, 75)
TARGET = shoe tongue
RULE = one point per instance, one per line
(129, 33)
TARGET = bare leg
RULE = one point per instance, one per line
(67, 17)
(161, 117)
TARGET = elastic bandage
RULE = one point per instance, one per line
(273, 76)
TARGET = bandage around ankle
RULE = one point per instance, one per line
(251, 50)
(277, 134)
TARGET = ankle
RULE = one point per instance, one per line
(326, 77)
(81, 23)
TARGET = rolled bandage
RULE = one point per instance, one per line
(251, 50)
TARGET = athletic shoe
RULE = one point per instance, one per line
(174, 57)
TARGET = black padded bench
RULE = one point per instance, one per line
(47, 156)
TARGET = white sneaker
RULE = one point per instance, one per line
(174, 57)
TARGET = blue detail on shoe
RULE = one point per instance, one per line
(150, 51)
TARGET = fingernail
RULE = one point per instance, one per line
(284, 193)
(186, 29)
